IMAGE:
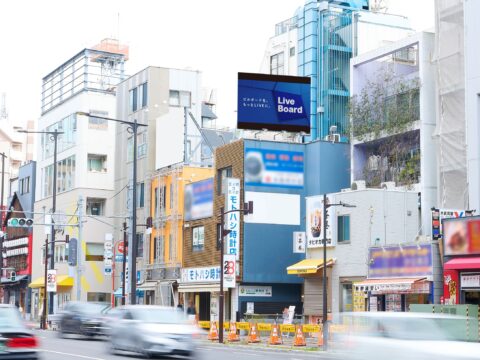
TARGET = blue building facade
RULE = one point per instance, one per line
(306, 169)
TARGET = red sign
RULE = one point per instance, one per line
(120, 247)
(451, 290)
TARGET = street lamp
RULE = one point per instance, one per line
(247, 209)
(133, 128)
(53, 136)
(326, 205)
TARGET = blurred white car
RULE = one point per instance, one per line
(152, 331)
(412, 336)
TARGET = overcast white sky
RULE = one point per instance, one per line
(217, 37)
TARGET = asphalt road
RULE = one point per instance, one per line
(54, 348)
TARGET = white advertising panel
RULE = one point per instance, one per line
(232, 220)
(273, 208)
(315, 222)
(169, 133)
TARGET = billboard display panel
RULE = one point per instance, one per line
(273, 102)
(274, 168)
(198, 200)
(461, 236)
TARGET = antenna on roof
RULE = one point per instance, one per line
(3, 107)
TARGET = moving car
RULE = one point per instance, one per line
(153, 331)
(16, 340)
(413, 336)
(83, 318)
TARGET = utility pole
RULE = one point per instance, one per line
(2, 214)
(44, 315)
(124, 262)
(79, 248)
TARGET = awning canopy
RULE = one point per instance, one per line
(148, 285)
(308, 266)
(463, 263)
(198, 287)
(394, 285)
(62, 280)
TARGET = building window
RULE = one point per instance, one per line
(98, 297)
(68, 139)
(180, 98)
(141, 145)
(171, 195)
(156, 203)
(65, 176)
(140, 195)
(144, 92)
(163, 195)
(171, 248)
(95, 207)
(222, 175)
(133, 100)
(26, 185)
(97, 163)
(276, 64)
(61, 253)
(343, 228)
(20, 187)
(159, 249)
(94, 252)
(140, 242)
(198, 238)
(292, 51)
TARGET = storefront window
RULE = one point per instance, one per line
(347, 299)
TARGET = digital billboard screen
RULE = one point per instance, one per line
(274, 168)
(273, 102)
(461, 236)
(198, 201)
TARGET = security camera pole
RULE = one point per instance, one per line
(54, 137)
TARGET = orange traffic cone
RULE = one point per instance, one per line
(252, 335)
(299, 339)
(213, 333)
(275, 336)
(232, 335)
(320, 337)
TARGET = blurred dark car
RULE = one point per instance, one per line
(153, 331)
(83, 318)
(16, 340)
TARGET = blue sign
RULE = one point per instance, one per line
(404, 261)
(198, 200)
(273, 102)
(275, 168)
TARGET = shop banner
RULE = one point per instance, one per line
(400, 261)
(470, 281)
(229, 272)
(232, 220)
(315, 222)
(52, 280)
(274, 168)
(461, 236)
(198, 200)
(438, 215)
(256, 291)
(201, 274)
(299, 242)
(451, 291)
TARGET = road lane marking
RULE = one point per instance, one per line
(75, 355)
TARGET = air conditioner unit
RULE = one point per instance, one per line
(388, 185)
(333, 137)
(359, 185)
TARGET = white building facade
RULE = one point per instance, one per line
(85, 174)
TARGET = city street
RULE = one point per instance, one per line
(55, 348)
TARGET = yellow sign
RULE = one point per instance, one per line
(311, 328)
(287, 328)
(243, 326)
(204, 324)
(358, 299)
(264, 327)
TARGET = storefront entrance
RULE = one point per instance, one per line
(471, 297)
